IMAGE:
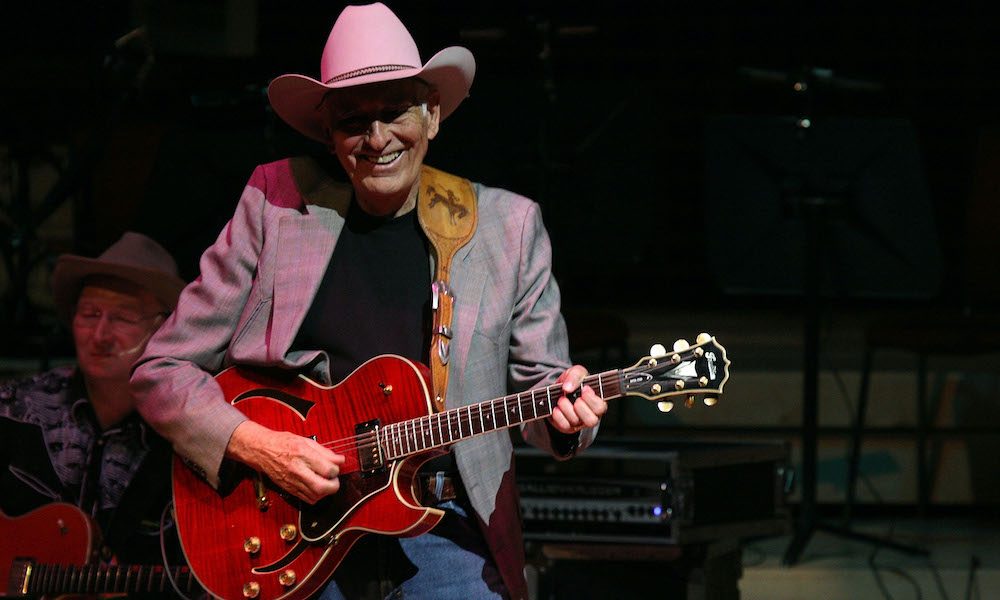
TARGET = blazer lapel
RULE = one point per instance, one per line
(468, 280)
(305, 244)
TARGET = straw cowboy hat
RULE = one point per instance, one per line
(368, 44)
(134, 258)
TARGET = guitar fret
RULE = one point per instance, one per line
(400, 439)
(482, 424)
(506, 417)
(55, 579)
(37, 583)
(440, 433)
(88, 586)
(548, 397)
(430, 429)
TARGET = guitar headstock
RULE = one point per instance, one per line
(689, 371)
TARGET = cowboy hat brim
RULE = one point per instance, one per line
(298, 99)
(70, 271)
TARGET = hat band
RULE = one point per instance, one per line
(368, 71)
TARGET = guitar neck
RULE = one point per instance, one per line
(398, 440)
(28, 578)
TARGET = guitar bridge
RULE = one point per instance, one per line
(370, 459)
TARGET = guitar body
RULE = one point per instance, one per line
(252, 538)
(57, 533)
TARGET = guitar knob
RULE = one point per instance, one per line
(689, 402)
(657, 351)
(288, 532)
(251, 589)
(710, 400)
(665, 406)
(655, 388)
(679, 384)
(681, 345)
(703, 337)
(287, 578)
(251, 545)
(703, 381)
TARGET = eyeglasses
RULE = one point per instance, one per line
(120, 321)
(360, 122)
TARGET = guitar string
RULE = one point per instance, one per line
(424, 426)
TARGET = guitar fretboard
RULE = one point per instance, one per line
(440, 429)
(45, 579)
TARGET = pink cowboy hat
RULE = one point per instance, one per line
(369, 44)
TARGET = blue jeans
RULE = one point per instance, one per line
(452, 561)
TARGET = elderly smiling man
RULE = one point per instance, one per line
(315, 277)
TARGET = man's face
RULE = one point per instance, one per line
(112, 322)
(380, 134)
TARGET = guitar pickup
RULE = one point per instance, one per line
(370, 459)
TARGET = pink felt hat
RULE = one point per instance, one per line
(368, 44)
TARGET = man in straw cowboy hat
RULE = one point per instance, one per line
(317, 277)
(72, 434)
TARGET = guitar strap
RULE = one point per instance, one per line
(446, 209)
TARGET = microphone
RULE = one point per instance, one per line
(137, 348)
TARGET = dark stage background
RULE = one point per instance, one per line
(599, 113)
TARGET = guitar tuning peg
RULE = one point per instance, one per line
(665, 406)
(657, 351)
(681, 345)
(703, 337)
(710, 400)
(689, 402)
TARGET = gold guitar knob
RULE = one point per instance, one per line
(288, 532)
(287, 578)
(689, 402)
(710, 400)
(703, 381)
(251, 589)
(665, 406)
(655, 388)
(679, 384)
(251, 545)
(702, 338)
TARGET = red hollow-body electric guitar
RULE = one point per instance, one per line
(252, 540)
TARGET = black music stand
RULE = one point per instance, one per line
(825, 209)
